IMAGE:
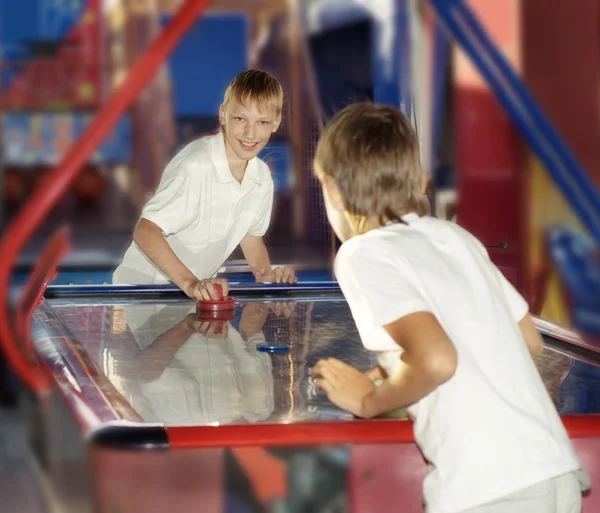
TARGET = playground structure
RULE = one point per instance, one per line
(569, 247)
(54, 76)
(533, 258)
(528, 188)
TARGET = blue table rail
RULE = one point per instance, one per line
(102, 275)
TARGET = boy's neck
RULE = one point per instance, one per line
(238, 169)
(372, 223)
(375, 222)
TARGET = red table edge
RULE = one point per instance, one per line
(328, 433)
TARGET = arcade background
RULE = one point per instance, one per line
(60, 60)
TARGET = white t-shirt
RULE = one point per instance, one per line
(492, 429)
(203, 211)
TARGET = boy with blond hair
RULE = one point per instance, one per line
(214, 195)
(454, 339)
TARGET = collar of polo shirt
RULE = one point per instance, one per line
(219, 155)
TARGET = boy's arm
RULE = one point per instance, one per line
(150, 239)
(531, 335)
(377, 282)
(173, 207)
(429, 360)
(253, 245)
(256, 253)
(520, 311)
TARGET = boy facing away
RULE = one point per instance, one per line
(454, 339)
(214, 195)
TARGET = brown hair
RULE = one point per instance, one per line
(372, 154)
(255, 85)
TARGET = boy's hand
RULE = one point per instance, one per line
(204, 290)
(277, 275)
(376, 373)
(345, 386)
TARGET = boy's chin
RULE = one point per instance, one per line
(249, 154)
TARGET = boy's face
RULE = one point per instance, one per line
(248, 128)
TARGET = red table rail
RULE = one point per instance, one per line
(323, 433)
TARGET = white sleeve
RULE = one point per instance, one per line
(174, 205)
(377, 284)
(518, 306)
(262, 219)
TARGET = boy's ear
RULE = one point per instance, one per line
(222, 114)
(277, 123)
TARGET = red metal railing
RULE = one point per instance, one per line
(323, 433)
(57, 182)
(43, 273)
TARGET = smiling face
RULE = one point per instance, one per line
(247, 128)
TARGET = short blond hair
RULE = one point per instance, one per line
(255, 86)
(372, 154)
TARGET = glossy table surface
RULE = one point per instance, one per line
(150, 358)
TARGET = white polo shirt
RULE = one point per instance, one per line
(203, 211)
(492, 429)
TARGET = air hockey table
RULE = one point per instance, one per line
(155, 408)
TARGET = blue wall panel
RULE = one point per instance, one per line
(213, 52)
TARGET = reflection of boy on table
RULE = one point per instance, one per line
(192, 375)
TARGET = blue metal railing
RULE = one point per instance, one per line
(536, 129)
